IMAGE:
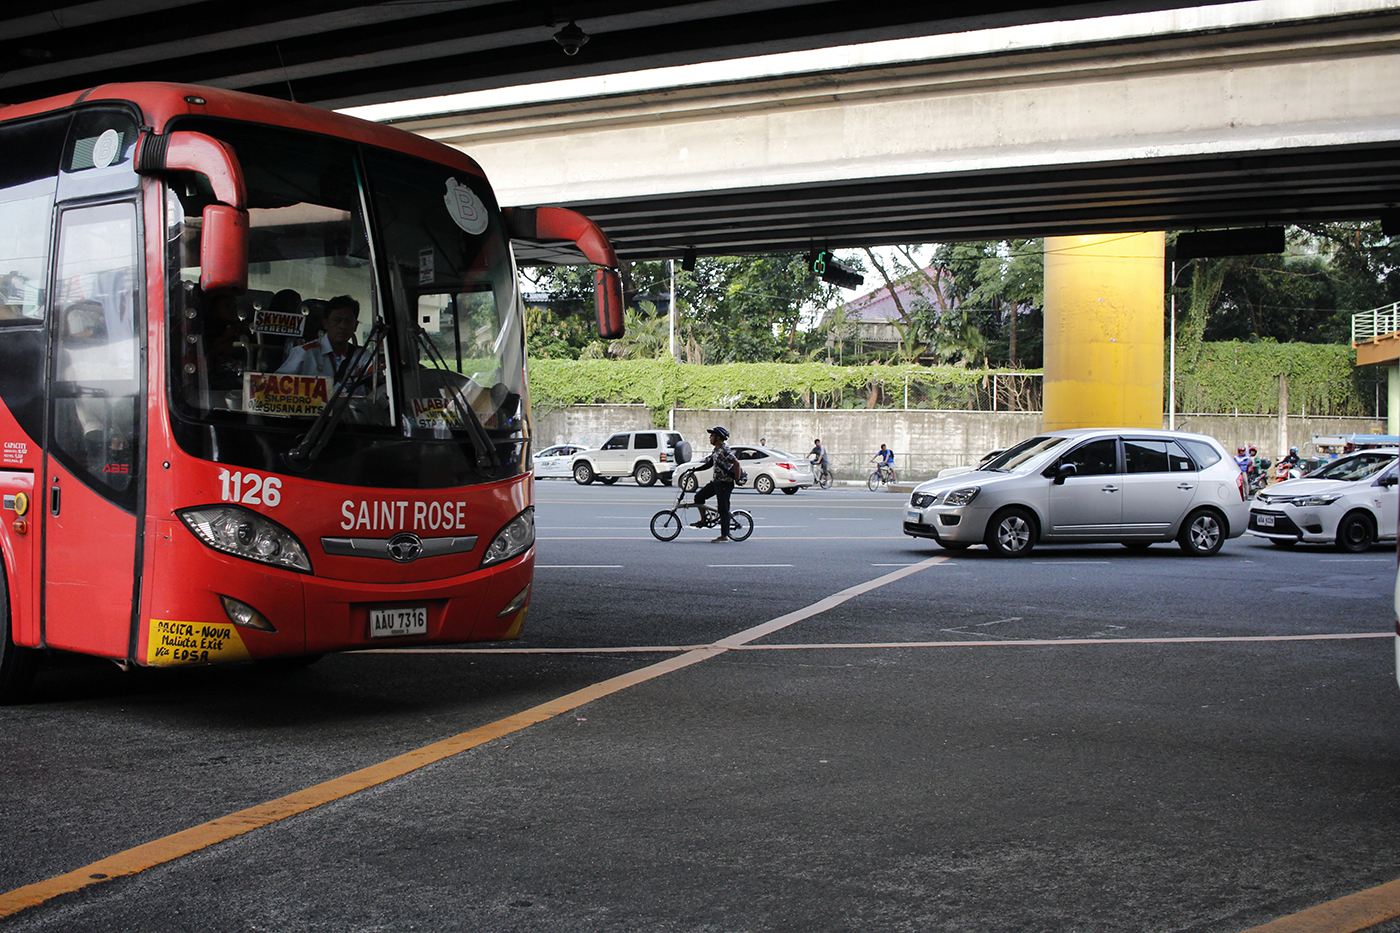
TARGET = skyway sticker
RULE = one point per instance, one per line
(281, 323)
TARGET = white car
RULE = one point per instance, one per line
(556, 461)
(646, 456)
(767, 467)
(1350, 502)
(1133, 486)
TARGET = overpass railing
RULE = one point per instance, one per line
(1374, 324)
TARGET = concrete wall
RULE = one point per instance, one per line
(923, 441)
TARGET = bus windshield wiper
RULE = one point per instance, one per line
(475, 430)
(310, 445)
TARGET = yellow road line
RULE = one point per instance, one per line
(1359, 911)
(186, 842)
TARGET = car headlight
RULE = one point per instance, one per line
(1303, 502)
(513, 540)
(244, 533)
(961, 496)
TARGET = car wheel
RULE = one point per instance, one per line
(953, 545)
(1011, 533)
(607, 480)
(1201, 534)
(791, 490)
(645, 474)
(689, 484)
(1355, 533)
(583, 474)
(763, 483)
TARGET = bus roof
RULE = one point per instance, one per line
(161, 102)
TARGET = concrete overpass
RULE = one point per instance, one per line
(1273, 111)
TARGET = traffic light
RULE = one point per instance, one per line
(832, 271)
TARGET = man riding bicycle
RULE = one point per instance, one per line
(885, 458)
(818, 458)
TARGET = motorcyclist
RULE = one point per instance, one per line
(1292, 458)
(1242, 460)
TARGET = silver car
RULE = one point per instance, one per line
(1134, 486)
(767, 469)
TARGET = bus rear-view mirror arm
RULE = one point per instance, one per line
(556, 223)
(223, 245)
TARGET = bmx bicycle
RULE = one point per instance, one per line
(667, 523)
(883, 476)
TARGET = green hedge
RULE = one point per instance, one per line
(1322, 379)
(1224, 377)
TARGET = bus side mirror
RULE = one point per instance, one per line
(223, 244)
(544, 225)
(607, 285)
(223, 250)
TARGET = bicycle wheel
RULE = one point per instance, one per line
(740, 525)
(665, 525)
(874, 481)
(825, 481)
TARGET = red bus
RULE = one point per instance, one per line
(262, 382)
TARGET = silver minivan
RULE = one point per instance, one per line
(1130, 485)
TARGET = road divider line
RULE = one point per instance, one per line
(186, 842)
(1350, 914)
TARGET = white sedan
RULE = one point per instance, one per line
(556, 461)
(767, 467)
(1349, 502)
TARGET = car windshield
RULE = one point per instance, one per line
(1017, 459)
(1356, 467)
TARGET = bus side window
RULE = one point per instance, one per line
(96, 383)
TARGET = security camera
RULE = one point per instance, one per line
(571, 38)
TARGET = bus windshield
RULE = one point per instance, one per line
(368, 268)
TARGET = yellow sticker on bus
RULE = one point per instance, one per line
(170, 643)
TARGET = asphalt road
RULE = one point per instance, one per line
(830, 726)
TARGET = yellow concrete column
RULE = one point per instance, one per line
(1103, 330)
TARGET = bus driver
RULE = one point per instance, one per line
(325, 355)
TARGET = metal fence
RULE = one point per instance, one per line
(1378, 322)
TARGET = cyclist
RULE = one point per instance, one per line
(820, 463)
(721, 484)
(885, 460)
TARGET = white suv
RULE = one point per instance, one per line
(645, 456)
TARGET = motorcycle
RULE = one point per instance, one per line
(1286, 471)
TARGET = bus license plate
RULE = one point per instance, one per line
(1264, 521)
(390, 623)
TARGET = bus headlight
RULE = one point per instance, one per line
(513, 540)
(244, 533)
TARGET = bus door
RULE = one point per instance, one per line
(91, 481)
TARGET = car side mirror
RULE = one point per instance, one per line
(1064, 471)
(1389, 480)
